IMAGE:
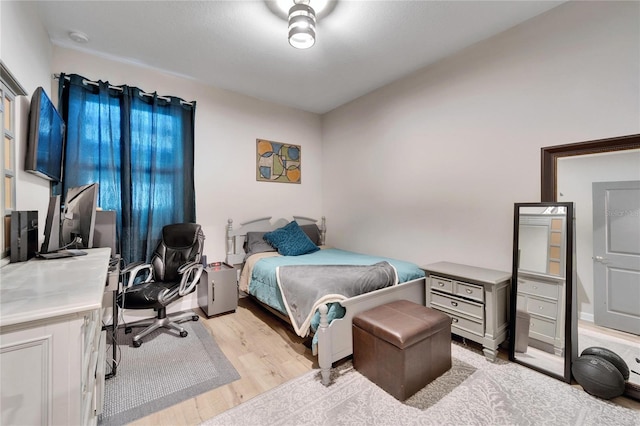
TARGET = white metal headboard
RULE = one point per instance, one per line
(236, 237)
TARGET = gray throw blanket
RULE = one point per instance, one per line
(305, 287)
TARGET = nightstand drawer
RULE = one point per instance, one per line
(470, 291)
(441, 284)
(538, 288)
(542, 307)
(456, 304)
(542, 329)
(466, 324)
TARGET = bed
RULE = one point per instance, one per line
(263, 276)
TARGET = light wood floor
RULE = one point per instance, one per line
(266, 353)
(263, 351)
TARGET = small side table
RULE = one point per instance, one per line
(218, 289)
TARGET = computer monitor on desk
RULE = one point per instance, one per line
(73, 227)
(79, 216)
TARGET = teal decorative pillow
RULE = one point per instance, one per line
(290, 240)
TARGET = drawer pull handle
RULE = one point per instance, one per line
(454, 320)
(469, 291)
(454, 303)
(541, 308)
(440, 283)
(535, 287)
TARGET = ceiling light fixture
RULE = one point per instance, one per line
(302, 25)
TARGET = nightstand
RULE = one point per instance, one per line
(218, 289)
(476, 299)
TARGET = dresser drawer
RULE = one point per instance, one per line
(471, 291)
(542, 307)
(542, 329)
(462, 323)
(456, 304)
(538, 288)
(441, 284)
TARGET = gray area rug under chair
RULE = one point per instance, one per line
(473, 392)
(165, 370)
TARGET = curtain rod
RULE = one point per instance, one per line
(93, 83)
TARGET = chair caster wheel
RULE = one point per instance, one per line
(137, 343)
(195, 318)
(128, 330)
(183, 334)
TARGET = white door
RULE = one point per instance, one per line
(616, 255)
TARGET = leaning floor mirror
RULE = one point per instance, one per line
(543, 324)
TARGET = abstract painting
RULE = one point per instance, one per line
(277, 162)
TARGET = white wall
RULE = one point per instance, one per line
(27, 54)
(428, 168)
(227, 125)
(226, 128)
(425, 169)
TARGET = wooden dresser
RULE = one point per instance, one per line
(476, 299)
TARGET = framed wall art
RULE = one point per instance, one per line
(278, 162)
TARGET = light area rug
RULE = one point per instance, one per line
(473, 392)
(164, 370)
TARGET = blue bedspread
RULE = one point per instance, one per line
(264, 286)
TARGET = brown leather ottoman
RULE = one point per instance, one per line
(401, 346)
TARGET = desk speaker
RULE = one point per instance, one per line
(24, 235)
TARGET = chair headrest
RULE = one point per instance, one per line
(179, 235)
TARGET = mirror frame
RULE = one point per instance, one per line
(549, 180)
(550, 154)
(570, 324)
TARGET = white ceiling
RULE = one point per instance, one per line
(241, 45)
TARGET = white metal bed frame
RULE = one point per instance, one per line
(334, 339)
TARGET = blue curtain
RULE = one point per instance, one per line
(139, 147)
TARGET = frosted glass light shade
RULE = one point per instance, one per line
(302, 26)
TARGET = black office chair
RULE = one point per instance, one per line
(174, 272)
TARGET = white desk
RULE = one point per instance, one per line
(51, 346)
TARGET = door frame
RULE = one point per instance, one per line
(550, 155)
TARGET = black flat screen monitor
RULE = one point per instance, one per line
(79, 216)
(45, 141)
(52, 226)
